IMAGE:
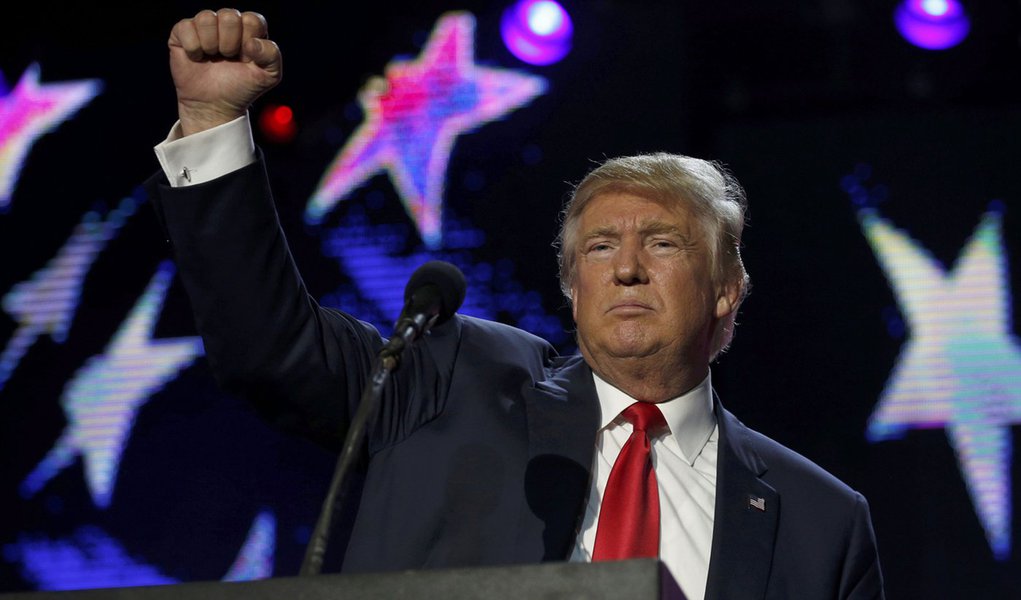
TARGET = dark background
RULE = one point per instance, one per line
(793, 96)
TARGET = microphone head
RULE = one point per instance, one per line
(449, 283)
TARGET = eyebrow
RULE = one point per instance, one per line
(646, 228)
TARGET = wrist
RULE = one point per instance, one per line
(196, 119)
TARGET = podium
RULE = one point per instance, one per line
(640, 579)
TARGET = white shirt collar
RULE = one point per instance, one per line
(690, 416)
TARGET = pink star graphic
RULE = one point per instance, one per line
(412, 117)
(29, 111)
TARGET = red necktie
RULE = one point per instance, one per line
(629, 515)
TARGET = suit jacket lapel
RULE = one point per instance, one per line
(747, 513)
(563, 419)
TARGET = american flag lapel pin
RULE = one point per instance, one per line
(757, 503)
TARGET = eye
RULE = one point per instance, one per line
(599, 247)
(664, 246)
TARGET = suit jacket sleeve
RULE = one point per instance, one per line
(301, 365)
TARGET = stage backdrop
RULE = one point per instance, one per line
(885, 233)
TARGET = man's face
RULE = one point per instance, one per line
(643, 287)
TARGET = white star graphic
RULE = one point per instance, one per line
(46, 303)
(105, 395)
(961, 367)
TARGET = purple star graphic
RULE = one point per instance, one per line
(29, 111)
(412, 117)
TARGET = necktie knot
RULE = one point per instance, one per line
(645, 416)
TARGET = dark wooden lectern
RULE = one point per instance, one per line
(643, 579)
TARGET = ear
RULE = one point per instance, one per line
(574, 302)
(727, 299)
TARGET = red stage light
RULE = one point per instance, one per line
(277, 123)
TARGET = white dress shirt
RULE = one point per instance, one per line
(685, 462)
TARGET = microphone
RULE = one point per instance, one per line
(434, 293)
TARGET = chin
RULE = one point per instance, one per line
(634, 352)
(630, 346)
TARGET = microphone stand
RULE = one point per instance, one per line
(407, 331)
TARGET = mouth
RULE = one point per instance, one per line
(629, 308)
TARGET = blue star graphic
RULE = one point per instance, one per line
(92, 558)
(960, 370)
(104, 396)
(379, 258)
(412, 117)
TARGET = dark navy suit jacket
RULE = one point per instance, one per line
(481, 452)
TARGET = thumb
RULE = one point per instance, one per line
(264, 53)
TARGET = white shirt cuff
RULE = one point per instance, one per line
(204, 156)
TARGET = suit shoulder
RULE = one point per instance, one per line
(499, 337)
(788, 471)
(824, 527)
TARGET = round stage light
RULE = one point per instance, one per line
(537, 31)
(277, 123)
(932, 24)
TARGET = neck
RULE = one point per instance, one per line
(646, 379)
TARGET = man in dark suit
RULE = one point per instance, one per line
(488, 448)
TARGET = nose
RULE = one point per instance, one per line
(629, 265)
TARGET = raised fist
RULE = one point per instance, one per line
(221, 62)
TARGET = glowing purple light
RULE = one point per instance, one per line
(537, 31)
(935, 8)
(545, 18)
(932, 24)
